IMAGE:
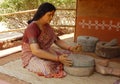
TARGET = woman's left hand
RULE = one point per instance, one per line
(76, 49)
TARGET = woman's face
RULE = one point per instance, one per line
(47, 17)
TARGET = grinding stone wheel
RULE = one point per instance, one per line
(83, 65)
(107, 51)
(88, 43)
(79, 71)
(80, 60)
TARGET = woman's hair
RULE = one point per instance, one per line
(42, 10)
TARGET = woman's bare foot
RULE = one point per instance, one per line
(117, 81)
(103, 62)
(116, 72)
(107, 70)
(102, 69)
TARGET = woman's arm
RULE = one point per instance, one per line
(41, 53)
(46, 55)
(62, 44)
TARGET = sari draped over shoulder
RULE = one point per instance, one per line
(45, 40)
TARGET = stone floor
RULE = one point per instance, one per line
(115, 62)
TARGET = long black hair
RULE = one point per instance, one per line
(42, 10)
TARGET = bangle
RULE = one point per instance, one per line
(69, 47)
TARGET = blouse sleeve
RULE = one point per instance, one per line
(57, 39)
(32, 33)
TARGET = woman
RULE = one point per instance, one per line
(38, 55)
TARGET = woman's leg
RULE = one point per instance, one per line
(102, 66)
(107, 70)
(103, 62)
(45, 68)
(102, 69)
(117, 81)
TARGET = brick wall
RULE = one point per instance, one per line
(99, 18)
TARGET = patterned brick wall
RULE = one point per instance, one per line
(99, 18)
(105, 29)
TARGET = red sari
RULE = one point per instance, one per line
(45, 39)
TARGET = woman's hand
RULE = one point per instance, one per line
(76, 49)
(64, 60)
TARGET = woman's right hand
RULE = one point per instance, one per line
(64, 60)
